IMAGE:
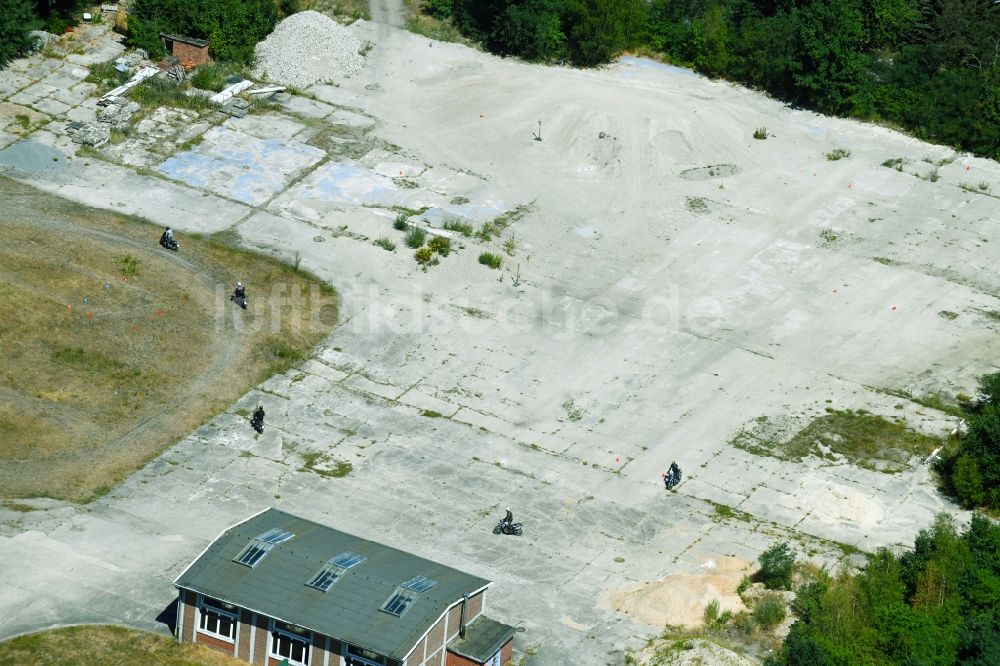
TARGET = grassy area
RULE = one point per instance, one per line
(858, 437)
(346, 11)
(98, 645)
(107, 361)
(432, 27)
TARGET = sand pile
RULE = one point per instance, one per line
(680, 599)
(307, 48)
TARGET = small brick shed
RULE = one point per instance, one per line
(189, 51)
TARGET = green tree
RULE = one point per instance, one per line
(776, 567)
(710, 41)
(16, 20)
(831, 63)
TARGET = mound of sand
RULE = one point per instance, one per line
(680, 599)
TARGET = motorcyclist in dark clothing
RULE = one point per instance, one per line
(257, 420)
(239, 296)
(167, 239)
(673, 476)
(509, 518)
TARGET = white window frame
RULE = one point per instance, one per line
(307, 639)
(347, 654)
(215, 610)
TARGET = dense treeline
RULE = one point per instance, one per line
(931, 66)
(972, 472)
(232, 27)
(936, 605)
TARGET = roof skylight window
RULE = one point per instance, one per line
(261, 545)
(334, 569)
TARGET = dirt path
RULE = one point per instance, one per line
(388, 12)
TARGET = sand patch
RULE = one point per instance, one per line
(680, 599)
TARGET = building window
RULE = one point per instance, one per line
(290, 642)
(358, 656)
(218, 619)
(494, 660)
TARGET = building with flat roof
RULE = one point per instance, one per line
(278, 587)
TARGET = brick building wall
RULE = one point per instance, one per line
(187, 53)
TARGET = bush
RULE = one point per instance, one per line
(776, 567)
(490, 259)
(400, 223)
(440, 244)
(424, 256)
(386, 244)
(838, 154)
(769, 611)
(760, 133)
(415, 237)
(232, 27)
(16, 20)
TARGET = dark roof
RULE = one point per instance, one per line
(185, 40)
(483, 638)
(277, 585)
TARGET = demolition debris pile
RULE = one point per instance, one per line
(307, 48)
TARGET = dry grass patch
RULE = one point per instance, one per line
(101, 645)
(107, 361)
(854, 436)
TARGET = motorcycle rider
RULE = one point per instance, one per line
(167, 239)
(240, 292)
(509, 518)
(257, 420)
(673, 476)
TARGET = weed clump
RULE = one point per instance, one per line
(415, 237)
(838, 154)
(490, 259)
(761, 133)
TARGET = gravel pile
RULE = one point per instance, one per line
(307, 48)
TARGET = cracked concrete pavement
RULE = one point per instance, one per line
(654, 305)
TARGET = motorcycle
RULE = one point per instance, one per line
(503, 527)
(169, 243)
(672, 479)
(239, 300)
(257, 423)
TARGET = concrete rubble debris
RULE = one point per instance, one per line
(236, 107)
(90, 134)
(176, 72)
(137, 78)
(118, 112)
(307, 48)
(231, 91)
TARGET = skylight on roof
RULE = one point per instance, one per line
(261, 545)
(406, 594)
(334, 569)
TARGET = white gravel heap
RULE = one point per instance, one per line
(307, 48)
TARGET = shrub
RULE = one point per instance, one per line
(776, 567)
(769, 611)
(838, 154)
(386, 244)
(424, 256)
(400, 223)
(760, 133)
(129, 265)
(440, 244)
(415, 237)
(490, 259)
